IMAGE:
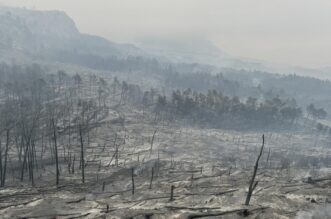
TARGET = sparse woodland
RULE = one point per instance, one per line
(94, 146)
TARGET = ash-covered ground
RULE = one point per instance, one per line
(209, 170)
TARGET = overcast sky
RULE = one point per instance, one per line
(296, 32)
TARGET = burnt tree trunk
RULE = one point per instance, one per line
(3, 178)
(56, 153)
(172, 193)
(132, 178)
(253, 184)
(152, 141)
(82, 153)
(150, 184)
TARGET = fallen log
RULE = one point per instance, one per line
(18, 194)
(290, 191)
(18, 204)
(311, 180)
(71, 215)
(242, 211)
(201, 215)
(76, 201)
(216, 194)
(152, 198)
(81, 216)
(206, 177)
(184, 171)
(190, 208)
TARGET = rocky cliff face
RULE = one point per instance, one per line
(32, 31)
(41, 23)
(48, 35)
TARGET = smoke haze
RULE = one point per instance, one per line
(294, 32)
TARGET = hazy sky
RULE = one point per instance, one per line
(285, 31)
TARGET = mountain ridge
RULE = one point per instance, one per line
(51, 35)
(41, 34)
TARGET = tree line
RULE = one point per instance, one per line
(221, 111)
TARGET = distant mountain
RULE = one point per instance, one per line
(27, 35)
(195, 50)
(192, 50)
(182, 50)
(48, 35)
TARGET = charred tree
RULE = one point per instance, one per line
(82, 153)
(253, 183)
(55, 151)
(152, 141)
